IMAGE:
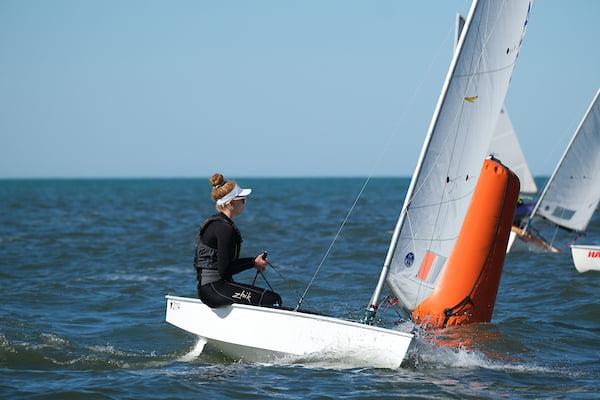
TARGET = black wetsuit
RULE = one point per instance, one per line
(217, 259)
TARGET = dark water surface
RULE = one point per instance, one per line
(85, 266)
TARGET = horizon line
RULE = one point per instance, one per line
(40, 178)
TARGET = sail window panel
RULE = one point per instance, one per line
(436, 268)
(426, 265)
(563, 213)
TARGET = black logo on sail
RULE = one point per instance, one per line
(409, 259)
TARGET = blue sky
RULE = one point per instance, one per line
(263, 88)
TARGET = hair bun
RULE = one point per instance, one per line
(216, 180)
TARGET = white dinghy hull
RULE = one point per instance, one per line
(261, 334)
(586, 258)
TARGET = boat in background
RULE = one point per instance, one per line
(521, 240)
(572, 193)
(585, 257)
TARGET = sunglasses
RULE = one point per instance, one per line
(242, 199)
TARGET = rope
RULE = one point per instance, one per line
(332, 243)
(385, 148)
(284, 279)
(276, 269)
(265, 278)
(556, 226)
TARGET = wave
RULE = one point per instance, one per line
(49, 351)
(426, 355)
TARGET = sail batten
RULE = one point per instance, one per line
(456, 145)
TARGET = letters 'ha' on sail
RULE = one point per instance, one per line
(455, 148)
(505, 144)
(573, 191)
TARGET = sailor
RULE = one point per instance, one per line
(217, 253)
(522, 212)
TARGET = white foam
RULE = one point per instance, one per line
(428, 355)
(129, 278)
(108, 349)
(195, 352)
(53, 340)
(5, 344)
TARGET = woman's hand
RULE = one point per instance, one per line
(260, 262)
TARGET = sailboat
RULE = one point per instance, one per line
(447, 251)
(572, 193)
(434, 209)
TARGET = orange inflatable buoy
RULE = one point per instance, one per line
(466, 290)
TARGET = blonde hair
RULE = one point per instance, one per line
(220, 188)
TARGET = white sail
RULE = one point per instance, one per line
(455, 148)
(505, 144)
(573, 191)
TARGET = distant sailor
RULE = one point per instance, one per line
(522, 212)
(217, 254)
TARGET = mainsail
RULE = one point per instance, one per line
(505, 144)
(455, 147)
(573, 191)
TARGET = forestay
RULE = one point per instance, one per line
(505, 144)
(573, 191)
(455, 148)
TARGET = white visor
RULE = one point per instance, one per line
(235, 192)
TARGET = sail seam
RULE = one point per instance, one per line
(445, 201)
(427, 239)
(491, 71)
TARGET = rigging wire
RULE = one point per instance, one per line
(287, 281)
(556, 226)
(332, 243)
(284, 279)
(377, 162)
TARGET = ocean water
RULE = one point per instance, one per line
(85, 266)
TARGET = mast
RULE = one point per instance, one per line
(560, 162)
(373, 303)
